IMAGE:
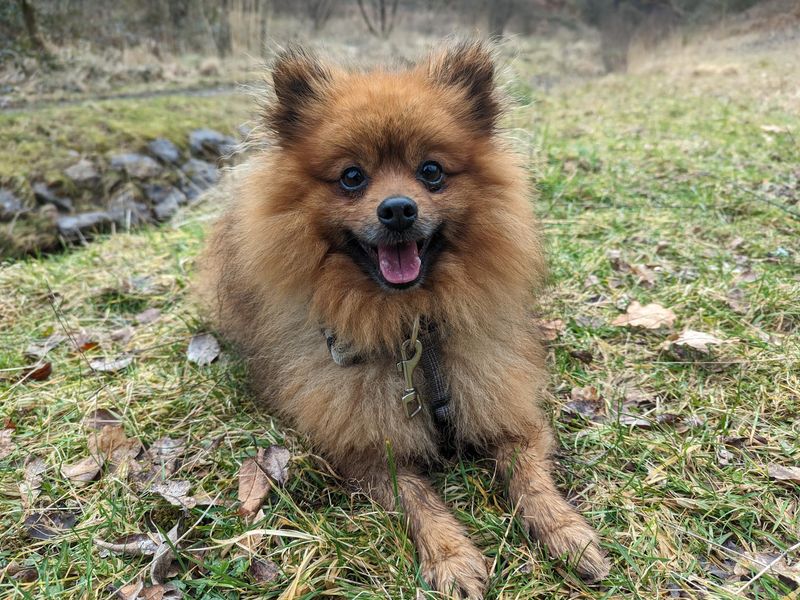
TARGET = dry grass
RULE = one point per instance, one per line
(698, 182)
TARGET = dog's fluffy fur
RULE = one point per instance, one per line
(277, 271)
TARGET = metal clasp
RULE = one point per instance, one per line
(406, 368)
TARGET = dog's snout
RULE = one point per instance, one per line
(398, 213)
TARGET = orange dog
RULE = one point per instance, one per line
(389, 199)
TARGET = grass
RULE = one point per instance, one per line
(671, 171)
(41, 143)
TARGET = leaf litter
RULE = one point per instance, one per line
(782, 473)
(149, 469)
(255, 478)
(649, 316)
(690, 338)
(203, 349)
(111, 365)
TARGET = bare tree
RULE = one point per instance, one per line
(500, 12)
(223, 29)
(319, 11)
(380, 18)
(29, 16)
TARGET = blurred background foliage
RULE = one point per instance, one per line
(229, 27)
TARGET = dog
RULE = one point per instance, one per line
(376, 268)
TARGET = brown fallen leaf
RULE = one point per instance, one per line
(166, 591)
(176, 492)
(30, 486)
(163, 557)
(113, 445)
(134, 544)
(6, 442)
(275, 462)
(39, 349)
(649, 316)
(257, 474)
(693, 339)
(43, 526)
(160, 461)
(549, 330)
(644, 274)
(97, 419)
(128, 592)
(747, 276)
(21, 572)
(262, 571)
(203, 349)
(585, 402)
(148, 316)
(84, 471)
(105, 365)
(122, 335)
(781, 473)
(254, 485)
(38, 372)
(634, 396)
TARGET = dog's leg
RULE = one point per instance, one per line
(450, 562)
(545, 513)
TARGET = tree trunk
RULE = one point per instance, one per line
(500, 12)
(29, 16)
(223, 37)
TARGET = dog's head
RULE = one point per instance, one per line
(392, 186)
(391, 156)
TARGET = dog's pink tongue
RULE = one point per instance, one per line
(399, 264)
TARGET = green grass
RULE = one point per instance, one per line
(41, 143)
(668, 171)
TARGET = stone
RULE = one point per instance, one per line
(164, 150)
(44, 194)
(83, 172)
(10, 205)
(84, 224)
(157, 193)
(201, 173)
(127, 210)
(135, 165)
(164, 210)
(210, 144)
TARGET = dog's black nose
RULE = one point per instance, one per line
(398, 213)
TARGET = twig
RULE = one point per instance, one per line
(773, 562)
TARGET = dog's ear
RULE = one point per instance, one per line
(299, 79)
(469, 65)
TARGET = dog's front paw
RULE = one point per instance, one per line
(459, 573)
(577, 541)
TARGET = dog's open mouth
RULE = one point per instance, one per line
(400, 265)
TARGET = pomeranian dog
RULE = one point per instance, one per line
(377, 267)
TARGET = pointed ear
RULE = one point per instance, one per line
(299, 79)
(469, 65)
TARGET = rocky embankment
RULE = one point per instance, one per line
(117, 192)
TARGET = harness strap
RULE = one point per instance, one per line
(436, 393)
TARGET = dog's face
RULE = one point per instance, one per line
(391, 167)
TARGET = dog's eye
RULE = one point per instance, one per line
(431, 174)
(352, 179)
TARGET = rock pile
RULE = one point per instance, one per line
(120, 191)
